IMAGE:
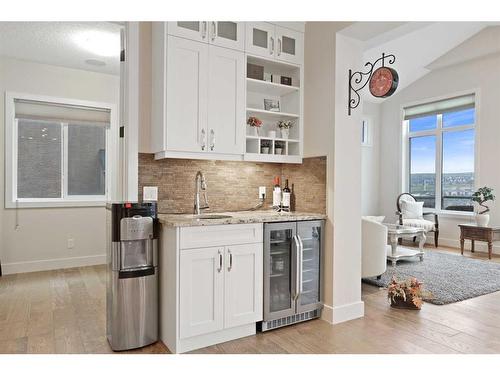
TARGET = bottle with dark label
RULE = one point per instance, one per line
(277, 193)
(285, 205)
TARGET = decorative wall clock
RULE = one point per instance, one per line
(382, 81)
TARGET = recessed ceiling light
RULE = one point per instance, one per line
(99, 42)
(95, 62)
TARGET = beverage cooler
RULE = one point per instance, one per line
(292, 272)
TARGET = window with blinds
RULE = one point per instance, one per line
(440, 138)
(59, 151)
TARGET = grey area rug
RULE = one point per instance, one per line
(450, 278)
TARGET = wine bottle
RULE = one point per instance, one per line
(285, 205)
(276, 193)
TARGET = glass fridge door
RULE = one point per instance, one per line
(279, 261)
(310, 235)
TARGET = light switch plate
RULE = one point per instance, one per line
(262, 192)
(150, 193)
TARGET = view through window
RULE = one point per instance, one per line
(441, 158)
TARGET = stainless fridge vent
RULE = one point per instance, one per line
(292, 319)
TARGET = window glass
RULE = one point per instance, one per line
(423, 123)
(86, 159)
(38, 159)
(423, 169)
(458, 170)
(457, 118)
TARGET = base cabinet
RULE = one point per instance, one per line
(210, 294)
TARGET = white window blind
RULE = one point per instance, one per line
(441, 106)
(37, 110)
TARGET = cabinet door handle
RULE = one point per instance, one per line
(301, 265)
(202, 139)
(297, 269)
(219, 269)
(271, 45)
(212, 139)
(214, 30)
(279, 46)
(204, 28)
(230, 260)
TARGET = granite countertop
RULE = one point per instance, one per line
(239, 217)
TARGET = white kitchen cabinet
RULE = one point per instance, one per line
(243, 285)
(194, 30)
(289, 45)
(227, 34)
(187, 83)
(275, 42)
(201, 291)
(226, 101)
(260, 39)
(213, 293)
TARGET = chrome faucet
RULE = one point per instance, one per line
(200, 188)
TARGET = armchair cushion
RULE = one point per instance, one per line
(412, 210)
(420, 223)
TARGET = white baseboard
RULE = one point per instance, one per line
(339, 314)
(52, 264)
(481, 247)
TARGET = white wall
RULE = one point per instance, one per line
(329, 131)
(41, 241)
(370, 161)
(482, 75)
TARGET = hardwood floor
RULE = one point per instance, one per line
(63, 311)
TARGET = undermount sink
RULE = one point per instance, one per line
(212, 217)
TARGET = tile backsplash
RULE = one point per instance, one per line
(232, 185)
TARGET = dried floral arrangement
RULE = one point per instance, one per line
(407, 294)
(285, 124)
(254, 122)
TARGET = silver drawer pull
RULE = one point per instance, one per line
(230, 260)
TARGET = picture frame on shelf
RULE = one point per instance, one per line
(255, 71)
(286, 80)
(272, 105)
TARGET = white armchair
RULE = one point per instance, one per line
(374, 248)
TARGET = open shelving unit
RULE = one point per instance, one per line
(290, 100)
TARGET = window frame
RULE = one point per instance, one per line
(11, 155)
(438, 133)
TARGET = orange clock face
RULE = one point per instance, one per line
(383, 82)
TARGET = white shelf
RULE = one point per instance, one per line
(271, 114)
(270, 88)
(272, 139)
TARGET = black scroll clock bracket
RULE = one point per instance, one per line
(383, 81)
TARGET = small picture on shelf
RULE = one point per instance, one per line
(272, 105)
(286, 80)
(255, 71)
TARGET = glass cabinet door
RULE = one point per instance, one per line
(289, 45)
(194, 30)
(260, 39)
(279, 253)
(311, 235)
(228, 34)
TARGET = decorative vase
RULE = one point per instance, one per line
(285, 133)
(400, 303)
(264, 150)
(278, 151)
(255, 131)
(482, 220)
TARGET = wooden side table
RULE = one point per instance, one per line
(474, 232)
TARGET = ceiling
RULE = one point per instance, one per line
(91, 46)
(420, 47)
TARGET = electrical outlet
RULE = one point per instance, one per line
(262, 192)
(150, 193)
(71, 243)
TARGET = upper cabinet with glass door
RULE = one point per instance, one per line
(221, 33)
(275, 42)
